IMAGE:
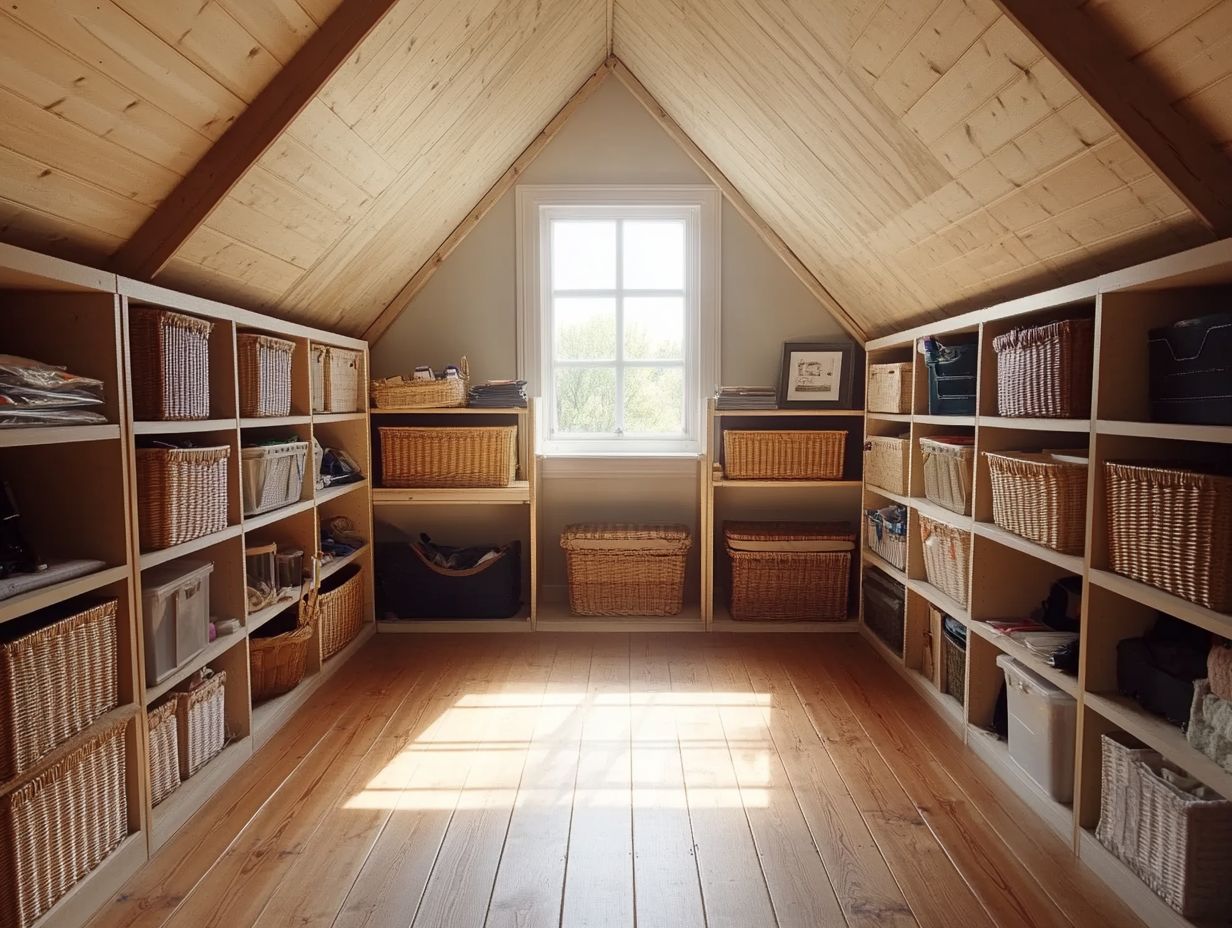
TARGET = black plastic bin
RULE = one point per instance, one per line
(951, 375)
(884, 599)
(409, 586)
(1191, 371)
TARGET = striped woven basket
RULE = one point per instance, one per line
(886, 460)
(181, 494)
(341, 615)
(889, 387)
(1045, 371)
(170, 364)
(947, 557)
(264, 374)
(625, 569)
(1040, 497)
(479, 456)
(164, 751)
(201, 722)
(783, 454)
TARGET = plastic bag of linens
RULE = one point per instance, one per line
(34, 393)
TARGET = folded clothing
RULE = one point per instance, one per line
(56, 572)
(1219, 668)
(1210, 725)
(497, 393)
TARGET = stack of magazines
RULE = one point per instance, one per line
(497, 394)
(746, 398)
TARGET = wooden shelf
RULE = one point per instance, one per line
(452, 411)
(887, 653)
(57, 435)
(723, 482)
(265, 519)
(1208, 433)
(1216, 622)
(162, 556)
(946, 604)
(330, 417)
(332, 567)
(958, 421)
(1035, 425)
(184, 428)
(214, 650)
(896, 497)
(995, 752)
(1071, 562)
(332, 493)
(256, 619)
(788, 413)
(270, 422)
(23, 604)
(875, 559)
(890, 416)
(519, 623)
(516, 492)
(1024, 655)
(167, 817)
(937, 513)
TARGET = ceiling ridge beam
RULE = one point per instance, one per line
(209, 182)
(1176, 148)
(503, 184)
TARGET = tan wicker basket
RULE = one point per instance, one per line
(886, 463)
(889, 387)
(164, 751)
(1041, 497)
(55, 682)
(276, 663)
(1178, 843)
(343, 373)
(200, 717)
(947, 557)
(474, 456)
(170, 364)
(341, 615)
(406, 393)
(774, 575)
(1046, 370)
(953, 669)
(948, 463)
(181, 494)
(786, 454)
(265, 374)
(625, 569)
(60, 822)
(882, 540)
(1172, 529)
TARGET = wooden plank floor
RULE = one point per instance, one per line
(683, 781)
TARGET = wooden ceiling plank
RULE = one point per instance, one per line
(1177, 149)
(192, 201)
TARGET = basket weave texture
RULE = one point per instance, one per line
(783, 454)
(890, 545)
(1172, 529)
(476, 456)
(775, 585)
(889, 387)
(264, 374)
(953, 669)
(164, 752)
(59, 824)
(55, 682)
(405, 393)
(625, 568)
(947, 557)
(273, 476)
(170, 365)
(276, 663)
(1046, 370)
(341, 615)
(201, 720)
(1040, 497)
(1219, 671)
(886, 462)
(181, 494)
(342, 376)
(947, 473)
(1180, 845)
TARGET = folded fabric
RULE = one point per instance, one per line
(1210, 725)
(56, 572)
(1219, 669)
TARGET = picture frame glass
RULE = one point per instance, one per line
(814, 376)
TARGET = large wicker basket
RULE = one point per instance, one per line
(164, 751)
(948, 463)
(889, 387)
(340, 614)
(1172, 529)
(1041, 497)
(474, 456)
(947, 557)
(1046, 370)
(277, 663)
(265, 374)
(55, 682)
(789, 570)
(887, 536)
(1178, 843)
(625, 569)
(59, 823)
(953, 668)
(170, 364)
(202, 723)
(406, 393)
(783, 454)
(886, 463)
(181, 494)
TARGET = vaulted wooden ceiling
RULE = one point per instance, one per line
(918, 157)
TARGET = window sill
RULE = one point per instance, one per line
(595, 465)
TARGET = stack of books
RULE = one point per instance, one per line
(746, 398)
(497, 394)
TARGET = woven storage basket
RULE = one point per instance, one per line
(55, 682)
(276, 663)
(886, 461)
(341, 615)
(886, 537)
(482, 456)
(1041, 497)
(1046, 370)
(316, 376)
(1172, 529)
(60, 823)
(948, 463)
(889, 387)
(1179, 844)
(947, 556)
(273, 475)
(265, 374)
(181, 494)
(953, 669)
(405, 393)
(625, 569)
(775, 577)
(201, 720)
(342, 376)
(170, 364)
(786, 454)
(164, 751)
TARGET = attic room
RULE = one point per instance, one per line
(689, 463)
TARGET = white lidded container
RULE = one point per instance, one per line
(175, 607)
(1042, 722)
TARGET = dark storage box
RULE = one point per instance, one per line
(954, 658)
(951, 375)
(409, 586)
(1191, 371)
(883, 608)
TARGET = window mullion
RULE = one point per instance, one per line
(620, 328)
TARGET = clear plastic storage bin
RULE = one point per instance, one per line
(1042, 722)
(175, 609)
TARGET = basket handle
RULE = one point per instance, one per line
(465, 369)
(308, 603)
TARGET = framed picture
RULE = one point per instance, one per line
(816, 375)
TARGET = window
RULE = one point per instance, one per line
(618, 315)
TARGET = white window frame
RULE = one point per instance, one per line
(699, 207)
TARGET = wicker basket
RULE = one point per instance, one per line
(164, 751)
(60, 823)
(948, 463)
(625, 569)
(1177, 843)
(405, 393)
(786, 454)
(886, 463)
(1046, 370)
(181, 494)
(483, 456)
(789, 570)
(343, 369)
(265, 374)
(889, 387)
(200, 716)
(953, 669)
(1172, 529)
(887, 537)
(341, 615)
(273, 475)
(55, 682)
(1041, 497)
(170, 364)
(947, 557)
(276, 663)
